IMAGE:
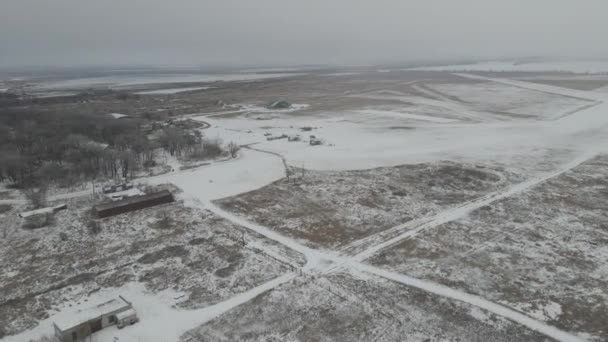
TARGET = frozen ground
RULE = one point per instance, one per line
(543, 251)
(129, 82)
(330, 209)
(342, 307)
(170, 91)
(192, 252)
(588, 67)
(381, 181)
(511, 100)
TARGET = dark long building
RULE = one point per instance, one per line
(133, 203)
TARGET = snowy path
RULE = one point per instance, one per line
(325, 262)
(314, 258)
(457, 212)
(477, 301)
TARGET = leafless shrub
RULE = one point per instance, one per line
(164, 220)
(94, 227)
(207, 149)
(36, 196)
(233, 148)
(44, 339)
(212, 148)
(63, 236)
(5, 208)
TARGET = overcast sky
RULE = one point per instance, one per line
(281, 32)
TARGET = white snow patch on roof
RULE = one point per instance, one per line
(83, 315)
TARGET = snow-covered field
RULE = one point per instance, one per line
(466, 208)
(543, 251)
(170, 91)
(584, 67)
(125, 82)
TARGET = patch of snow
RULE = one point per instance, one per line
(335, 74)
(44, 95)
(249, 171)
(170, 91)
(257, 109)
(117, 115)
(405, 115)
(542, 311)
(82, 315)
(492, 96)
(124, 82)
(270, 70)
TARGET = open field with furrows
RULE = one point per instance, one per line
(509, 101)
(543, 252)
(330, 209)
(341, 307)
(420, 92)
(189, 251)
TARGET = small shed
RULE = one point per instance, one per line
(133, 203)
(81, 324)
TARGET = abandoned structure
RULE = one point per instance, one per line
(108, 189)
(43, 211)
(80, 325)
(280, 104)
(314, 141)
(133, 203)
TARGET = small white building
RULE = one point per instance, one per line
(81, 324)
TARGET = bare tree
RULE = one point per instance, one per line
(234, 149)
(36, 195)
(164, 220)
(94, 227)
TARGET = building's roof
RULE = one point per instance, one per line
(131, 200)
(125, 314)
(41, 211)
(82, 316)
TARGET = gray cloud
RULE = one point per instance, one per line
(85, 32)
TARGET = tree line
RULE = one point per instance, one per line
(43, 147)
